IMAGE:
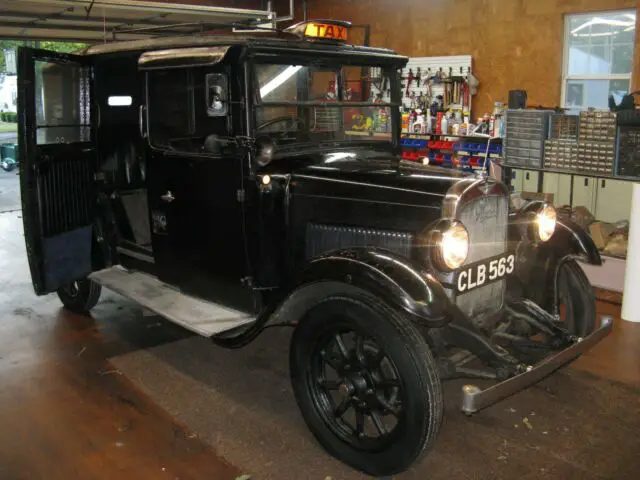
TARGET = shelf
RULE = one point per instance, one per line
(426, 136)
(478, 154)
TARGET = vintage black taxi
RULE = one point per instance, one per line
(231, 181)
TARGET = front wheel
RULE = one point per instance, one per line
(366, 383)
(576, 301)
(80, 296)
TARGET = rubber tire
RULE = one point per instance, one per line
(87, 298)
(583, 301)
(401, 341)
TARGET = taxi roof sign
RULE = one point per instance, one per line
(323, 29)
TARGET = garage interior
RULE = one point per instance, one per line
(124, 392)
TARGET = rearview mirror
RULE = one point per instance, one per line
(217, 95)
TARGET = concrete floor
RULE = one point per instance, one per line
(64, 413)
(126, 395)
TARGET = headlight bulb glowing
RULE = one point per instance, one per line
(546, 220)
(455, 246)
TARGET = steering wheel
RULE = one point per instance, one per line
(292, 120)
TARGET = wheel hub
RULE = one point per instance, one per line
(355, 385)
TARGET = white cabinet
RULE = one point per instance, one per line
(516, 180)
(559, 185)
(584, 192)
(613, 200)
(530, 181)
(608, 200)
(564, 190)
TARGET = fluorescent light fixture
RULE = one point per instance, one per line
(603, 34)
(120, 101)
(604, 21)
(279, 79)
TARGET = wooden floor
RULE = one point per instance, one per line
(67, 414)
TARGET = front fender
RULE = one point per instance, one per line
(571, 239)
(541, 262)
(392, 277)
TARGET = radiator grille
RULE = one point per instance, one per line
(322, 238)
(64, 190)
(486, 221)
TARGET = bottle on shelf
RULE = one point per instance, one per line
(444, 125)
(405, 121)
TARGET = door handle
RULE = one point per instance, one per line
(168, 197)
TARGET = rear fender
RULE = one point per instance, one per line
(387, 275)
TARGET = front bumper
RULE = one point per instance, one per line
(475, 399)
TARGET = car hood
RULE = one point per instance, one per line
(356, 171)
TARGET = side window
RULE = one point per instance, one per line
(187, 108)
(63, 105)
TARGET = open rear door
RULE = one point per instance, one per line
(57, 165)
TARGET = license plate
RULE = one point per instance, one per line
(484, 272)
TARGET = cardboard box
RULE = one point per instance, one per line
(582, 216)
(600, 233)
(546, 197)
(617, 245)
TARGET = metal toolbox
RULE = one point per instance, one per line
(525, 133)
(560, 153)
(598, 126)
(627, 162)
(563, 126)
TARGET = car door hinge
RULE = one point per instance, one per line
(240, 195)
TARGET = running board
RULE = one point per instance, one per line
(200, 316)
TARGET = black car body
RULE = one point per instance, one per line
(245, 178)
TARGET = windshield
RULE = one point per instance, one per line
(311, 104)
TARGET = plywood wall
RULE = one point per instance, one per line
(515, 44)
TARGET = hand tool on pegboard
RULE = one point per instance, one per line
(427, 84)
(437, 78)
(418, 75)
(409, 80)
(413, 100)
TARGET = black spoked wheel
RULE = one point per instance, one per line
(576, 301)
(357, 389)
(576, 309)
(366, 383)
(80, 296)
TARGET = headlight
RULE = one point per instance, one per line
(545, 222)
(454, 246)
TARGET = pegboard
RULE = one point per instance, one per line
(459, 65)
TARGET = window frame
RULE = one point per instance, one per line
(565, 77)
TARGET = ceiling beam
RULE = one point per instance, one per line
(97, 29)
(82, 18)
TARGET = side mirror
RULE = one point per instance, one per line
(265, 150)
(217, 95)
